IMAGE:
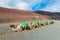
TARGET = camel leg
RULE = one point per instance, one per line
(52, 22)
(30, 27)
(35, 26)
(47, 24)
(40, 26)
(27, 28)
(22, 28)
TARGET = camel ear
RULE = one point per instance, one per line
(12, 26)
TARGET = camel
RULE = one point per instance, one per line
(34, 24)
(49, 22)
(41, 23)
(16, 28)
(25, 26)
(20, 27)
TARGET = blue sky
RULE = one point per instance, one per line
(46, 5)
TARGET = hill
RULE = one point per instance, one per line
(15, 15)
(52, 15)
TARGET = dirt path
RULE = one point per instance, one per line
(50, 32)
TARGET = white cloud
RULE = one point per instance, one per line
(3, 3)
(22, 5)
(27, 4)
(54, 8)
(33, 1)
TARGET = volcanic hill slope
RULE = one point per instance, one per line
(15, 15)
(52, 15)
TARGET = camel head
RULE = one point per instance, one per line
(12, 26)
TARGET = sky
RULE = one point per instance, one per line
(32, 5)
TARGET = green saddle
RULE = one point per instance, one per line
(24, 24)
(42, 22)
(49, 21)
(35, 22)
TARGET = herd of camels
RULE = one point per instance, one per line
(27, 26)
